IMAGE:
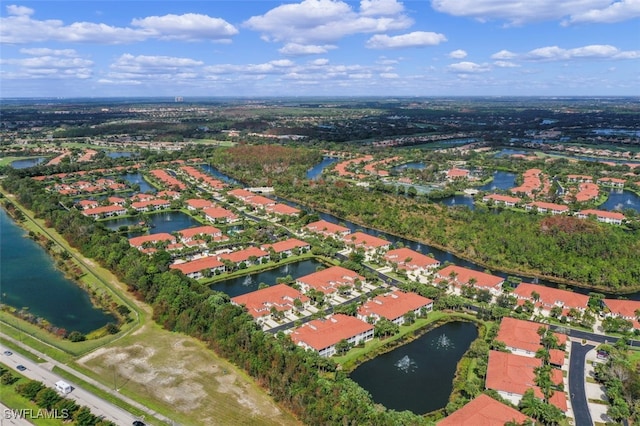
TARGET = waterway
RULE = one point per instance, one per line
(44, 290)
(120, 154)
(315, 172)
(415, 165)
(418, 376)
(25, 163)
(501, 181)
(219, 175)
(137, 179)
(248, 283)
(160, 222)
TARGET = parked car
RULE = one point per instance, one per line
(21, 367)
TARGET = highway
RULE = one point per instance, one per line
(35, 371)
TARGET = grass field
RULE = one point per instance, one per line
(181, 378)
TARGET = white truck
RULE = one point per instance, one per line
(63, 387)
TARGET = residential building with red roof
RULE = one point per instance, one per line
(220, 214)
(190, 234)
(627, 309)
(603, 216)
(459, 276)
(104, 211)
(88, 204)
(411, 261)
(456, 173)
(322, 335)
(199, 203)
(283, 210)
(557, 357)
(281, 297)
(532, 182)
(484, 411)
(613, 182)
(246, 256)
(543, 207)
(329, 280)
(119, 201)
(501, 199)
(586, 192)
(327, 229)
(559, 399)
(197, 268)
(150, 205)
(139, 242)
(393, 306)
(580, 178)
(521, 337)
(546, 298)
(168, 180)
(287, 246)
(366, 241)
(241, 194)
(259, 201)
(511, 375)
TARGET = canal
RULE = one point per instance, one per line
(248, 283)
(43, 290)
(418, 376)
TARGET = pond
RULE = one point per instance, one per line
(415, 165)
(120, 154)
(316, 171)
(457, 200)
(25, 163)
(419, 375)
(137, 179)
(160, 222)
(248, 283)
(43, 290)
(501, 181)
(621, 200)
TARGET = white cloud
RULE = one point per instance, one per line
(190, 26)
(521, 11)
(320, 62)
(44, 51)
(503, 54)
(296, 49)
(145, 65)
(414, 39)
(19, 27)
(380, 7)
(458, 54)
(614, 12)
(468, 67)
(321, 21)
(505, 64)
(595, 51)
(389, 75)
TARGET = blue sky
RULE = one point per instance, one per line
(320, 48)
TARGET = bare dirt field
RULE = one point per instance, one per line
(179, 377)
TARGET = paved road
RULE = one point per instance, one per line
(39, 372)
(577, 392)
(51, 362)
(9, 418)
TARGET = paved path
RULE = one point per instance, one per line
(577, 393)
(11, 418)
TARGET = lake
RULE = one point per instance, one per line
(43, 289)
(419, 375)
(25, 163)
(137, 179)
(248, 283)
(161, 222)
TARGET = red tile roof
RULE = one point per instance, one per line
(624, 308)
(198, 203)
(393, 305)
(219, 213)
(559, 399)
(512, 373)
(286, 245)
(324, 227)
(279, 208)
(602, 214)
(410, 259)
(244, 255)
(323, 333)
(549, 296)
(199, 230)
(367, 241)
(557, 357)
(484, 411)
(519, 334)
(464, 275)
(103, 210)
(328, 280)
(197, 265)
(549, 206)
(455, 173)
(501, 198)
(162, 236)
(259, 302)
